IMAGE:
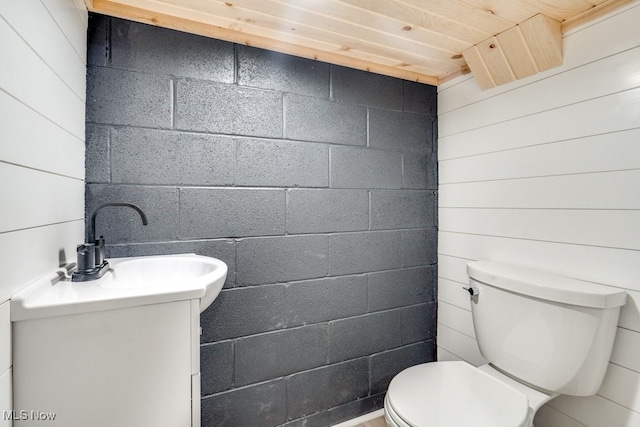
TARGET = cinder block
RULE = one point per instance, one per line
(360, 87)
(123, 225)
(280, 259)
(222, 249)
(260, 405)
(283, 73)
(320, 419)
(396, 130)
(313, 119)
(351, 253)
(98, 39)
(231, 212)
(326, 387)
(419, 322)
(216, 367)
(244, 311)
(314, 301)
(123, 97)
(148, 156)
(97, 154)
(281, 163)
(364, 335)
(419, 247)
(386, 365)
(155, 50)
(420, 98)
(356, 408)
(274, 354)
(399, 288)
(365, 168)
(319, 211)
(228, 109)
(420, 171)
(402, 209)
(434, 133)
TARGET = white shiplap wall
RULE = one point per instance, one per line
(545, 173)
(42, 102)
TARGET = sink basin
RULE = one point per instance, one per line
(129, 282)
(162, 271)
(159, 271)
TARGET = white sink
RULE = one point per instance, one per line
(129, 282)
(162, 271)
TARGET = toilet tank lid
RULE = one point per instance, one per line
(546, 286)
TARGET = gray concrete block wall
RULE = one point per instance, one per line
(316, 184)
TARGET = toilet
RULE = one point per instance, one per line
(543, 335)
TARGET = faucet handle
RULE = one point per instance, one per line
(99, 251)
(86, 256)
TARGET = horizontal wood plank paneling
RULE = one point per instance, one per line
(451, 292)
(65, 14)
(42, 93)
(615, 113)
(40, 198)
(550, 417)
(81, 8)
(607, 152)
(353, 27)
(608, 266)
(596, 411)
(452, 267)
(562, 89)
(476, 20)
(32, 140)
(583, 191)
(47, 247)
(460, 345)
(28, 78)
(270, 28)
(452, 270)
(626, 349)
(606, 228)
(444, 355)
(513, 11)
(545, 173)
(31, 19)
(630, 313)
(456, 318)
(620, 385)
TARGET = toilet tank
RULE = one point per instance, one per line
(553, 332)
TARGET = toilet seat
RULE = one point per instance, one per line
(453, 394)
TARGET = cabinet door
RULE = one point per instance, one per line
(125, 367)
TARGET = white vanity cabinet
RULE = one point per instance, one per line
(134, 366)
(119, 351)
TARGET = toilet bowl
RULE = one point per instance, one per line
(544, 335)
(446, 394)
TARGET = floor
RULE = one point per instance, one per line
(377, 422)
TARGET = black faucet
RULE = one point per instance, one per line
(91, 260)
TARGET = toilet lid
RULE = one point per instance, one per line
(455, 394)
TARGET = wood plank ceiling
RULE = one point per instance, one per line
(419, 40)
